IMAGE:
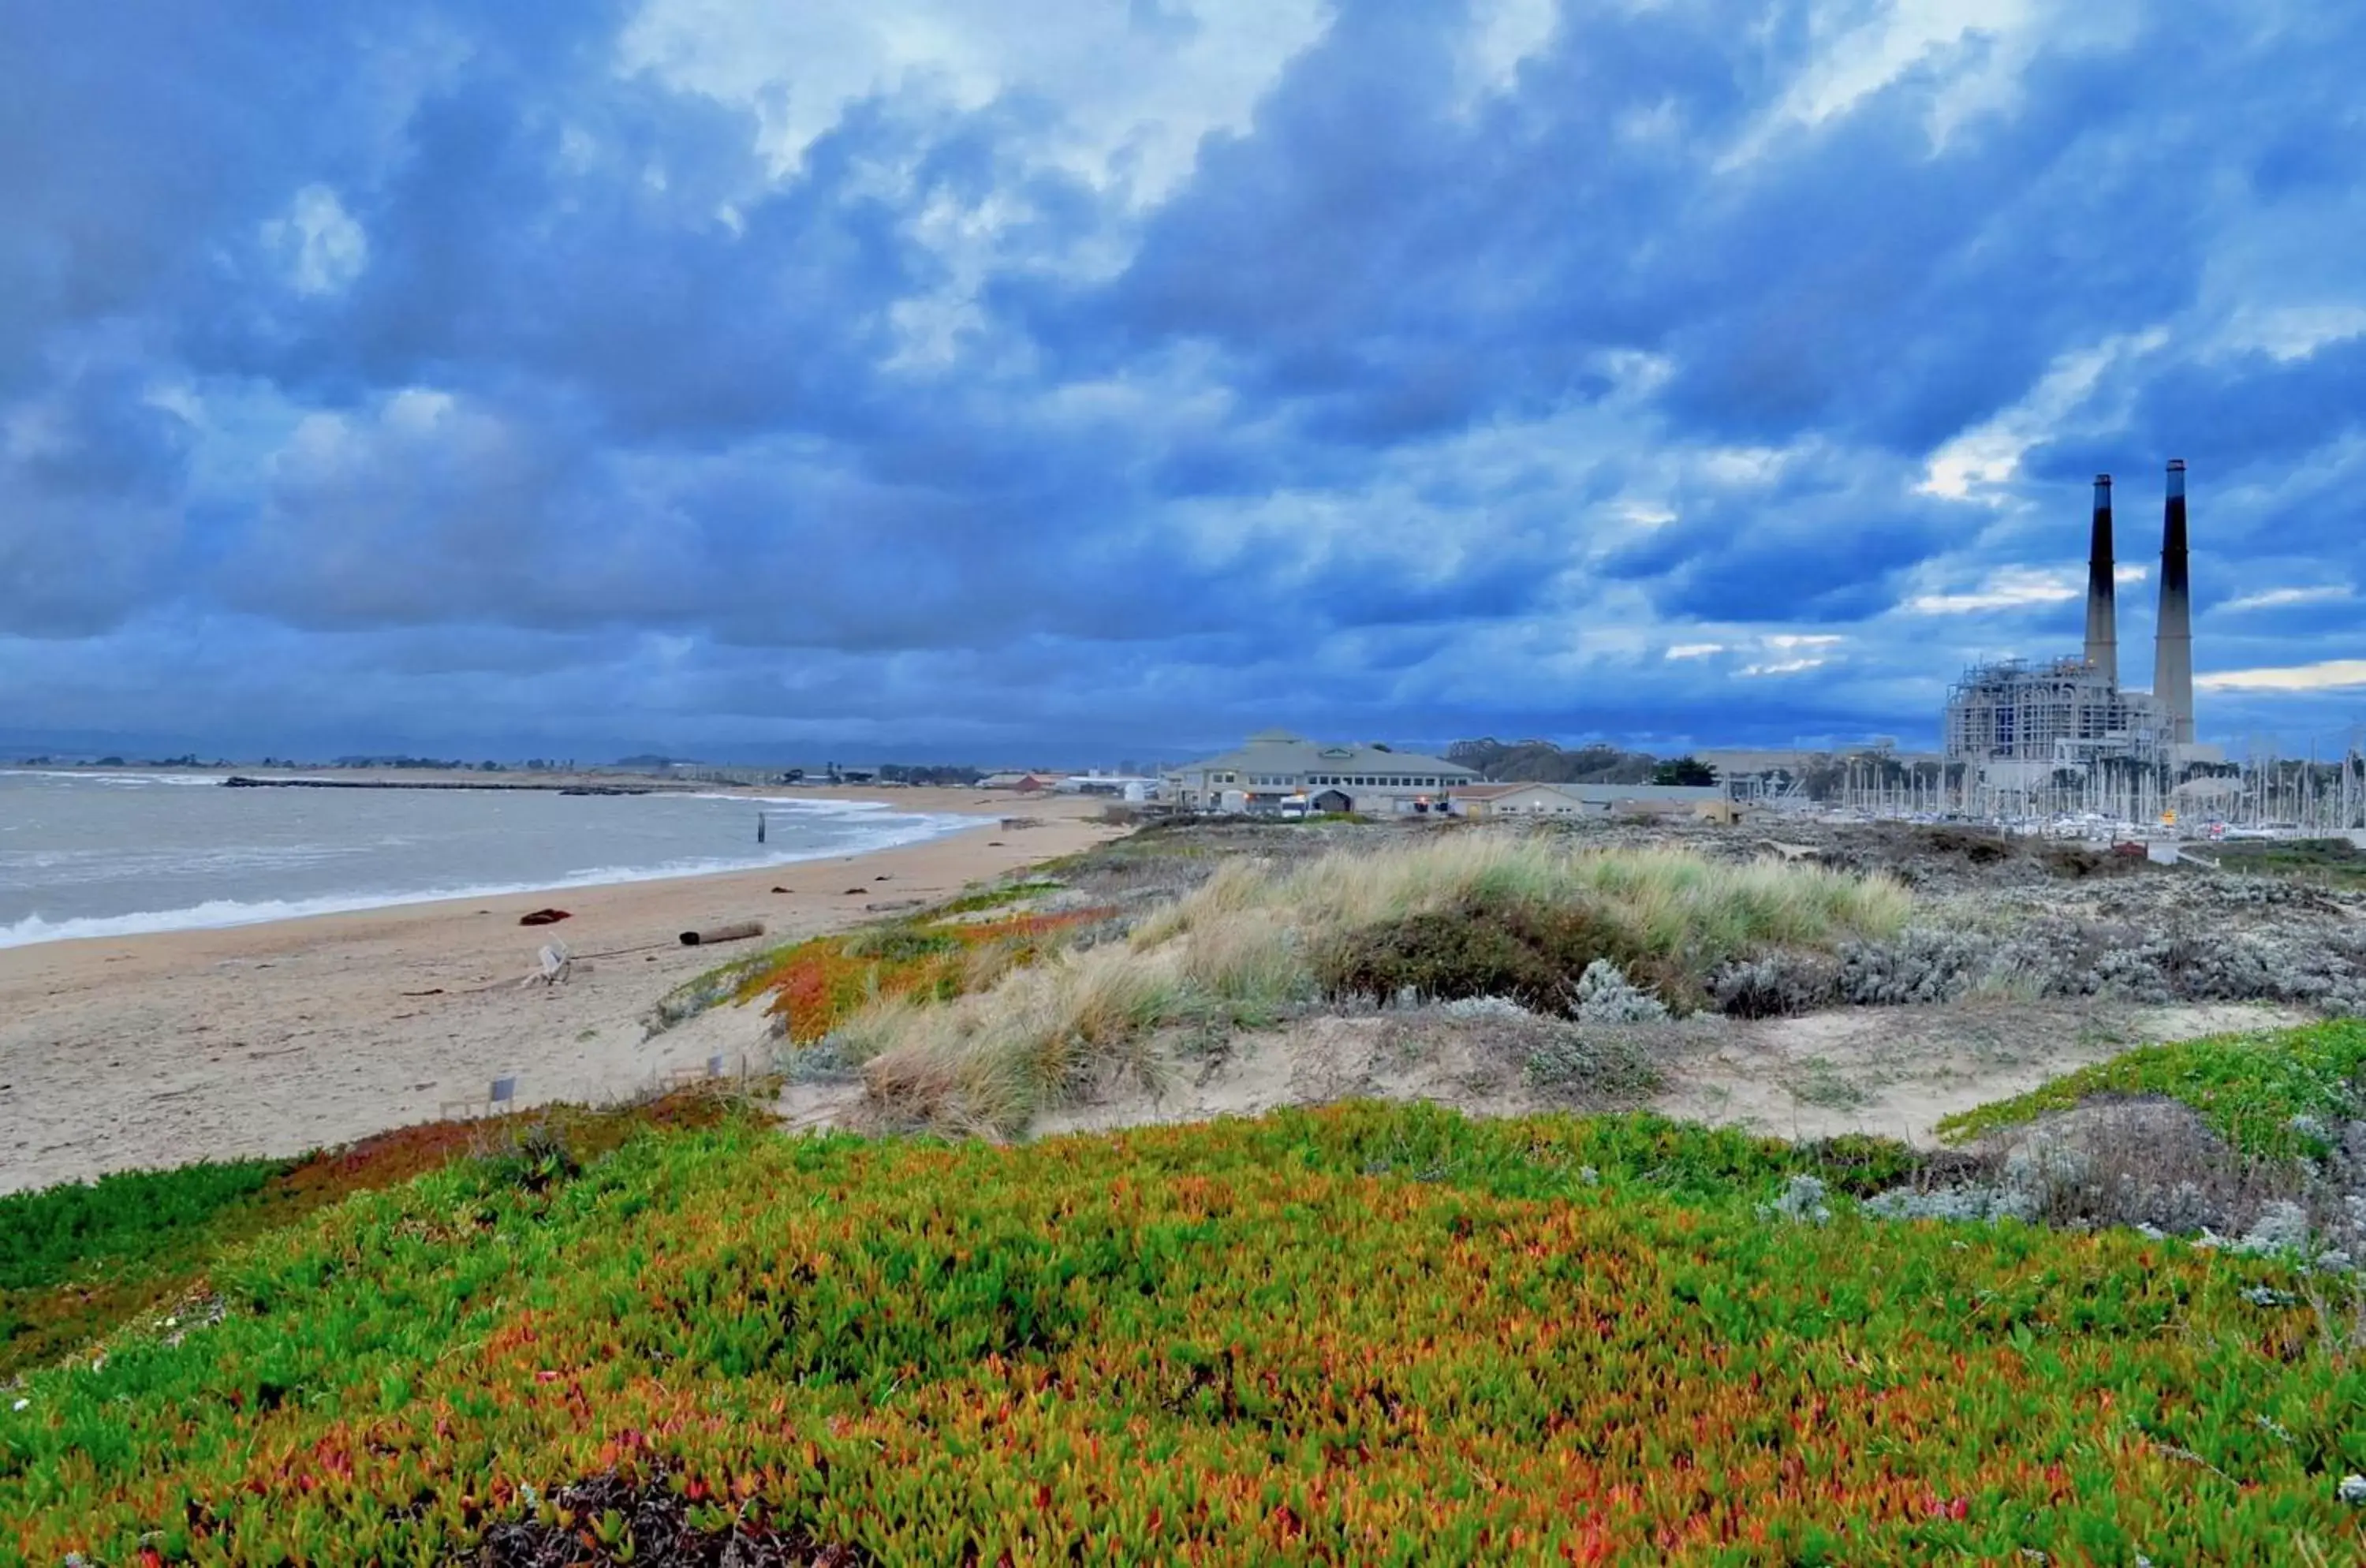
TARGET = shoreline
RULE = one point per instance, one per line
(276, 1037)
(141, 922)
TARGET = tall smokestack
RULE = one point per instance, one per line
(2102, 618)
(2172, 666)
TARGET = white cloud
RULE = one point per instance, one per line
(1132, 89)
(2277, 598)
(1973, 52)
(2294, 331)
(1805, 651)
(1989, 454)
(1745, 465)
(1694, 650)
(2011, 587)
(2124, 574)
(2332, 674)
(1138, 86)
(1505, 32)
(1856, 63)
(318, 242)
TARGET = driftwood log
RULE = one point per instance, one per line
(739, 930)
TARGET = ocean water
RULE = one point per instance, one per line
(117, 854)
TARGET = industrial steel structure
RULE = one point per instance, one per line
(2061, 714)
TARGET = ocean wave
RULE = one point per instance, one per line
(812, 804)
(88, 865)
(221, 913)
(119, 781)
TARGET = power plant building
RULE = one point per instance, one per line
(2059, 713)
(2065, 727)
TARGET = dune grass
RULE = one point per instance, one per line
(987, 1062)
(1254, 940)
(1668, 900)
(1368, 1334)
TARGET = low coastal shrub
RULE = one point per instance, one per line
(2040, 955)
(1574, 1066)
(1364, 1334)
(1530, 952)
(1782, 983)
(2272, 1094)
(2149, 1162)
(1605, 995)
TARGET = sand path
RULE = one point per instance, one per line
(1895, 1072)
(125, 1053)
(1898, 1072)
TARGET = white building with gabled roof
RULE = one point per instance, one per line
(1275, 769)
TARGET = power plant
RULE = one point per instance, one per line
(2058, 747)
(2062, 733)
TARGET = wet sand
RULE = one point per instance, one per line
(138, 1051)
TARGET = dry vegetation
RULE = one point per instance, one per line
(1439, 917)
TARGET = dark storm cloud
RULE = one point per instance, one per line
(460, 364)
(90, 511)
(1395, 266)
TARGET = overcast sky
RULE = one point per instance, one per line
(506, 376)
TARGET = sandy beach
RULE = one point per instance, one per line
(119, 1054)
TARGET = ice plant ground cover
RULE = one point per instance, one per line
(2263, 1093)
(79, 1258)
(1366, 1334)
(816, 985)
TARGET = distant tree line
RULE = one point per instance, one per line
(930, 774)
(1542, 761)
